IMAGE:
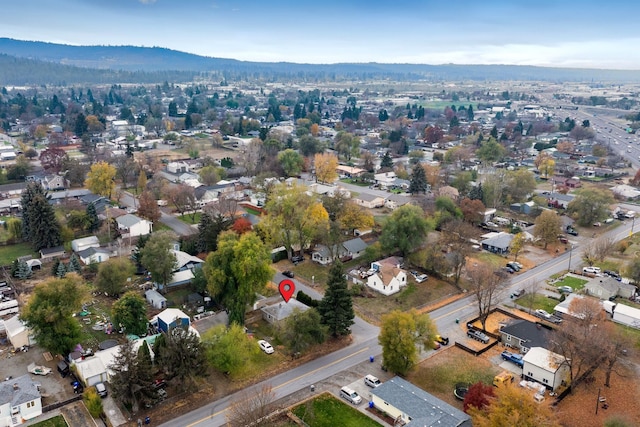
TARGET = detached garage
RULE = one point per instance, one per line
(627, 315)
(18, 333)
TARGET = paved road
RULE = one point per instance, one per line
(365, 341)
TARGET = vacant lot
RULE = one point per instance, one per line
(327, 411)
(415, 295)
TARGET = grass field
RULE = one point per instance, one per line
(9, 253)
(574, 282)
(57, 421)
(195, 219)
(327, 411)
(539, 301)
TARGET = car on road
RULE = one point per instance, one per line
(542, 314)
(565, 289)
(265, 346)
(288, 273)
(512, 357)
(517, 293)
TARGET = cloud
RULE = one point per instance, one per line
(147, 1)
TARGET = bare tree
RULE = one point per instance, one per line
(181, 196)
(617, 358)
(225, 207)
(603, 247)
(252, 408)
(487, 286)
(529, 297)
(455, 237)
(583, 337)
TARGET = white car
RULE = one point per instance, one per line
(265, 346)
(543, 314)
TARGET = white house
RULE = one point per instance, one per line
(546, 367)
(368, 200)
(627, 315)
(155, 299)
(53, 182)
(134, 225)
(94, 255)
(20, 401)
(17, 332)
(178, 167)
(388, 278)
(85, 243)
(385, 179)
(413, 406)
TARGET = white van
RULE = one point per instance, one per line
(591, 270)
(372, 381)
(350, 395)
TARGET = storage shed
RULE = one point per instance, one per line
(155, 299)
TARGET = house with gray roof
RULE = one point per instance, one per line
(498, 244)
(20, 400)
(607, 287)
(403, 401)
(523, 335)
(279, 311)
(369, 200)
(559, 200)
(353, 248)
(94, 255)
(133, 225)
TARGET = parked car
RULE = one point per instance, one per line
(442, 340)
(509, 270)
(419, 277)
(591, 270)
(265, 346)
(613, 274)
(565, 289)
(542, 314)
(512, 357)
(517, 293)
(371, 381)
(288, 273)
(563, 239)
(297, 258)
(478, 336)
(350, 395)
(101, 389)
(513, 266)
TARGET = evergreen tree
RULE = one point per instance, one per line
(470, 114)
(14, 267)
(387, 161)
(132, 382)
(476, 192)
(55, 266)
(494, 132)
(208, 230)
(93, 222)
(74, 264)
(336, 307)
(39, 224)
(28, 194)
(61, 271)
(24, 271)
(419, 182)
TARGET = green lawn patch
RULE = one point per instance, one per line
(575, 282)
(327, 411)
(493, 260)
(57, 421)
(10, 253)
(191, 219)
(251, 211)
(355, 182)
(539, 301)
(312, 272)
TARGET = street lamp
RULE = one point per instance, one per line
(570, 252)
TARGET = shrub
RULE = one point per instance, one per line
(307, 300)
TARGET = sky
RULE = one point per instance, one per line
(556, 33)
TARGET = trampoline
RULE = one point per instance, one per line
(107, 344)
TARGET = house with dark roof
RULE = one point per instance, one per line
(522, 335)
(20, 400)
(559, 200)
(498, 244)
(353, 248)
(94, 255)
(413, 406)
(51, 253)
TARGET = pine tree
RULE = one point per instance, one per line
(30, 192)
(387, 161)
(55, 266)
(419, 182)
(24, 271)
(336, 307)
(39, 224)
(61, 271)
(74, 264)
(93, 222)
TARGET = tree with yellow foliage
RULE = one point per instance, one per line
(353, 216)
(326, 164)
(545, 164)
(513, 406)
(101, 179)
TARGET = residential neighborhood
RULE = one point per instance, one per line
(449, 240)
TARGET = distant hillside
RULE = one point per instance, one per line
(156, 59)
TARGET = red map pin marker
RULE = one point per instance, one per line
(287, 288)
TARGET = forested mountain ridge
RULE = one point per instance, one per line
(155, 64)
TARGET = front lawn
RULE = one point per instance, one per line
(190, 219)
(327, 411)
(539, 301)
(575, 282)
(57, 421)
(10, 253)
(414, 295)
(355, 182)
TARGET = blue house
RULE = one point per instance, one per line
(172, 318)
